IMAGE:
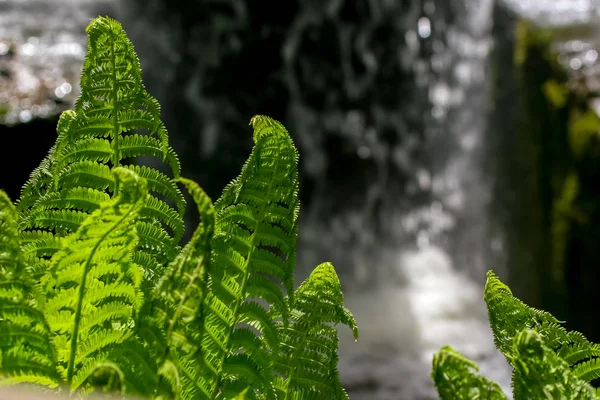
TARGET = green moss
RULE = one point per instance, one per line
(560, 130)
(540, 147)
(527, 37)
(583, 127)
(556, 93)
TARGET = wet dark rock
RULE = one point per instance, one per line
(24, 146)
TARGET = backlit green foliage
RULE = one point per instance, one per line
(95, 292)
(548, 361)
(457, 377)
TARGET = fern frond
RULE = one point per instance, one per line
(179, 295)
(263, 201)
(129, 367)
(308, 357)
(457, 377)
(254, 241)
(114, 121)
(92, 285)
(540, 373)
(509, 316)
(26, 353)
(183, 286)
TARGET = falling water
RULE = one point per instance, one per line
(398, 193)
(42, 45)
(440, 246)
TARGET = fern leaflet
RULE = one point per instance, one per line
(509, 316)
(307, 364)
(92, 286)
(26, 352)
(457, 377)
(541, 373)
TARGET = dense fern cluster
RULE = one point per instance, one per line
(97, 294)
(114, 121)
(548, 361)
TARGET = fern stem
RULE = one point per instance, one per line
(114, 103)
(253, 246)
(299, 348)
(81, 293)
(172, 323)
(236, 306)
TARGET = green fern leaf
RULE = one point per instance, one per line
(179, 295)
(308, 357)
(541, 374)
(457, 377)
(114, 122)
(255, 235)
(509, 316)
(26, 353)
(92, 286)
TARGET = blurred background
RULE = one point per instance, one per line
(438, 139)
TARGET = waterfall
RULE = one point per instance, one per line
(440, 244)
(42, 45)
(388, 103)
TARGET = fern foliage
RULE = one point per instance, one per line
(307, 364)
(26, 352)
(254, 245)
(114, 121)
(247, 312)
(95, 292)
(548, 361)
(93, 284)
(176, 328)
(509, 316)
(457, 377)
(540, 371)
